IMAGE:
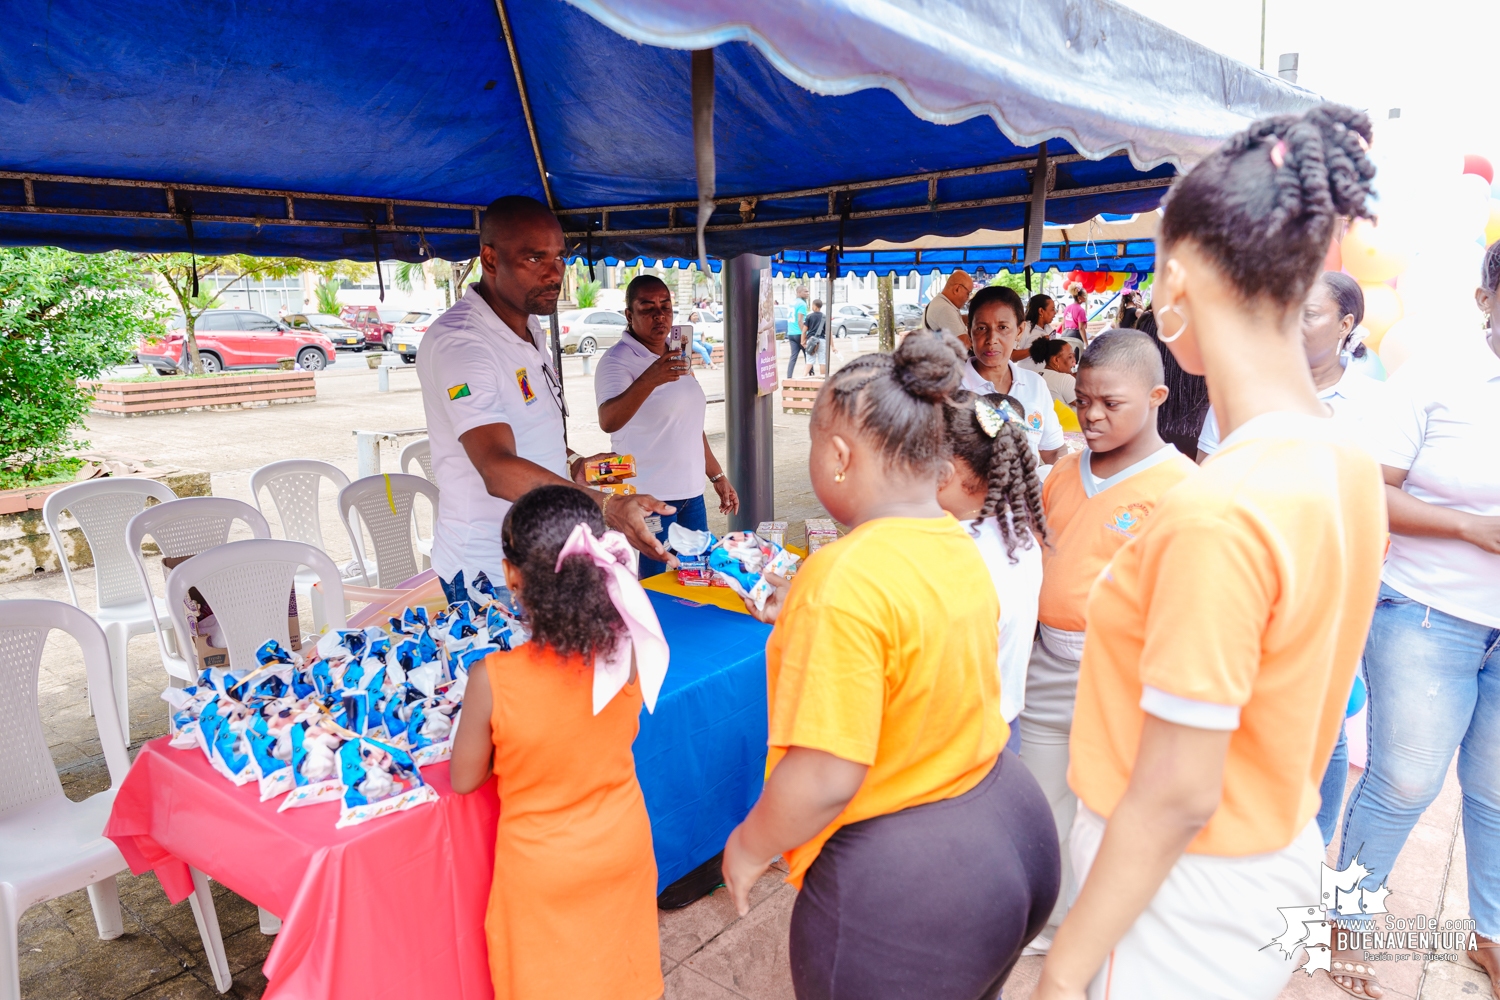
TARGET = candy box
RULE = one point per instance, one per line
(821, 531)
(619, 467)
(773, 532)
(378, 779)
(618, 489)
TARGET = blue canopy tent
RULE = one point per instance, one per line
(379, 129)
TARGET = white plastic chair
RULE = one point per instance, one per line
(187, 527)
(294, 485)
(419, 453)
(123, 608)
(385, 505)
(49, 845)
(246, 584)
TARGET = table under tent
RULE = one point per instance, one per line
(653, 128)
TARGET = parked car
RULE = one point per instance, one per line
(908, 317)
(237, 338)
(375, 323)
(708, 325)
(856, 320)
(783, 316)
(344, 336)
(585, 331)
(406, 335)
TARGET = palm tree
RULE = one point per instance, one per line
(327, 294)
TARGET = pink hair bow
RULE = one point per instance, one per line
(612, 553)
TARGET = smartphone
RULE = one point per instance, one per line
(680, 340)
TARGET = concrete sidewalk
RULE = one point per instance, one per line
(707, 953)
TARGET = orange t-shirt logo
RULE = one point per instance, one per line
(1128, 518)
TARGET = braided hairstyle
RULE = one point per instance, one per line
(1005, 464)
(897, 400)
(1264, 205)
(1350, 298)
(569, 608)
(1489, 271)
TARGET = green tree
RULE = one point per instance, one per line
(588, 294)
(327, 294)
(63, 317)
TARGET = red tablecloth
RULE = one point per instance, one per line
(390, 908)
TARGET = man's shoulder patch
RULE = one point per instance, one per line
(458, 391)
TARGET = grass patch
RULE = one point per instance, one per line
(61, 471)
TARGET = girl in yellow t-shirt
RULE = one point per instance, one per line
(1221, 642)
(925, 856)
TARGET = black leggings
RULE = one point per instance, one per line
(932, 902)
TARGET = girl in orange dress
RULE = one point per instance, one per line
(573, 906)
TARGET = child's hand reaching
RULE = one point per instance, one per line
(774, 603)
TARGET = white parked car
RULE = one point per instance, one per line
(588, 331)
(708, 325)
(406, 335)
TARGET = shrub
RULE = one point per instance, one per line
(63, 317)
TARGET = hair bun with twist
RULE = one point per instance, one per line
(927, 367)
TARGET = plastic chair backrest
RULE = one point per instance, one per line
(294, 485)
(27, 773)
(385, 503)
(186, 527)
(247, 583)
(420, 452)
(102, 507)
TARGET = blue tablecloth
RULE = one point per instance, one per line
(701, 757)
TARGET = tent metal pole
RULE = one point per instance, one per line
(747, 413)
(515, 64)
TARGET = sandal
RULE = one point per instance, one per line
(1355, 977)
(1490, 962)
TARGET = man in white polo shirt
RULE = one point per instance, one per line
(653, 408)
(494, 404)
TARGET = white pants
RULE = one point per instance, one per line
(1203, 935)
(1045, 723)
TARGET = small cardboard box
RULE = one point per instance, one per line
(773, 532)
(821, 531)
(620, 467)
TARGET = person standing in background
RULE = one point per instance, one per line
(652, 407)
(1040, 311)
(796, 328)
(943, 312)
(1075, 321)
(1431, 660)
(817, 338)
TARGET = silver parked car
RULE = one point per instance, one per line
(587, 331)
(856, 320)
(406, 334)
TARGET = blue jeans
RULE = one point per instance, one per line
(703, 352)
(455, 589)
(691, 513)
(1332, 788)
(1434, 689)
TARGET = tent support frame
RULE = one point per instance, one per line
(515, 65)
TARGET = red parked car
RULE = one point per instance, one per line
(237, 338)
(375, 322)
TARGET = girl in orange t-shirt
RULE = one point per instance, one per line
(573, 904)
(1223, 639)
(925, 855)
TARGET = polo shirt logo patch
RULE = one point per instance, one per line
(458, 391)
(1034, 420)
(1125, 520)
(524, 382)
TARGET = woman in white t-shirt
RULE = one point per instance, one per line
(653, 408)
(995, 317)
(1058, 359)
(994, 492)
(1040, 311)
(1432, 659)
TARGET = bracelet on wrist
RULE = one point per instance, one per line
(715, 479)
(604, 507)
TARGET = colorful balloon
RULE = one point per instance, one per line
(1476, 164)
(1492, 228)
(1383, 309)
(1369, 255)
(1397, 347)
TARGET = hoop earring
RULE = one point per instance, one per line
(1180, 330)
